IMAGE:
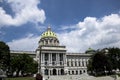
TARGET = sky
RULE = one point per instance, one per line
(79, 24)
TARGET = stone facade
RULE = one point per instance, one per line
(54, 60)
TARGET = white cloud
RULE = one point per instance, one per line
(92, 32)
(25, 11)
(29, 43)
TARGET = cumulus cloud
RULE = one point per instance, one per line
(25, 11)
(94, 33)
(29, 43)
(91, 32)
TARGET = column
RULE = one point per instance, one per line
(77, 62)
(84, 63)
(51, 58)
(44, 42)
(41, 58)
(51, 71)
(64, 58)
(59, 71)
(81, 62)
(56, 58)
(56, 71)
(58, 61)
(48, 42)
(70, 62)
(48, 71)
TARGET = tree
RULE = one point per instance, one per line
(23, 63)
(4, 56)
(99, 64)
(114, 56)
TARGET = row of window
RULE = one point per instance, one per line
(54, 63)
(53, 57)
(76, 72)
(77, 63)
(50, 41)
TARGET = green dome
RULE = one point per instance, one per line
(48, 33)
(90, 50)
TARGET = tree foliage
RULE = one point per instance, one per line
(114, 56)
(4, 56)
(23, 63)
(102, 63)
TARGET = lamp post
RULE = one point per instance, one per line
(106, 52)
(117, 59)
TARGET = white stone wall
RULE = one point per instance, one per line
(77, 64)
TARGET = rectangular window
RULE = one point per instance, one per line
(71, 63)
(53, 57)
(75, 63)
(79, 63)
(46, 57)
(68, 63)
(61, 57)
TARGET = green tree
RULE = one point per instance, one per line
(99, 64)
(4, 56)
(23, 63)
(114, 56)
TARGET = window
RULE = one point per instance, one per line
(53, 57)
(46, 57)
(61, 57)
(82, 63)
(72, 72)
(46, 42)
(79, 63)
(80, 72)
(46, 63)
(68, 63)
(61, 62)
(75, 63)
(76, 72)
(68, 72)
(84, 71)
(71, 63)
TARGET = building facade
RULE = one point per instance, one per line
(53, 58)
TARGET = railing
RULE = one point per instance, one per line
(54, 63)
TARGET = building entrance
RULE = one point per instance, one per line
(54, 72)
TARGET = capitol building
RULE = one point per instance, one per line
(53, 58)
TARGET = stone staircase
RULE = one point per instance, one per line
(78, 77)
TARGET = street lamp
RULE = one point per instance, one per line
(106, 52)
(117, 70)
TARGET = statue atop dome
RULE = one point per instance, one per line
(49, 28)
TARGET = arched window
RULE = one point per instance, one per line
(72, 72)
(76, 72)
(84, 71)
(62, 71)
(54, 72)
(46, 42)
(46, 71)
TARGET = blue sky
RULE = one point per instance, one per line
(87, 23)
